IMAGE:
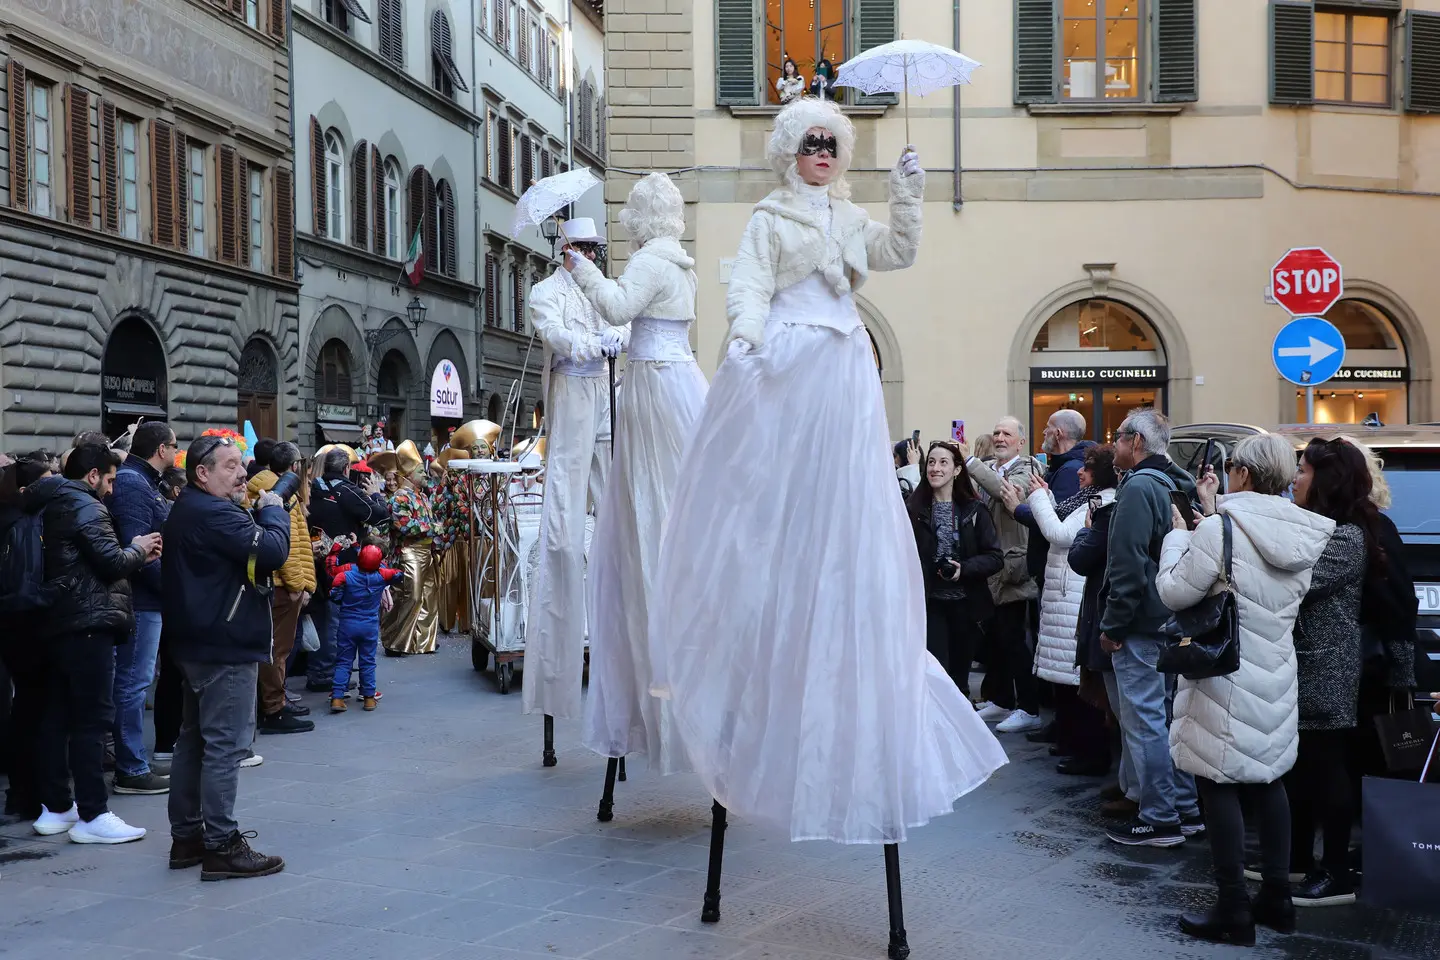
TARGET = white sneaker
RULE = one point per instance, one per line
(51, 823)
(1019, 722)
(991, 713)
(106, 828)
(252, 759)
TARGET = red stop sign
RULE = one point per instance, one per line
(1307, 281)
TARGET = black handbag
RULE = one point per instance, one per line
(1204, 641)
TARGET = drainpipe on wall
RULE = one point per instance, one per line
(294, 212)
(475, 189)
(569, 56)
(958, 200)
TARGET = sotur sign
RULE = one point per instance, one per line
(446, 396)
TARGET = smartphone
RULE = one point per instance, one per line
(1182, 503)
(915, 438)
(1209, 459)
(957, 431)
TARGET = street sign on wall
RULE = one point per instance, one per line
(1307, 281)
(1308, 351)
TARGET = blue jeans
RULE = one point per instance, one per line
(364, 641)
(134, 670)
(1146, 698)
(321, 663)
(1127, 769)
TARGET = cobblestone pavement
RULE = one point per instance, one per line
(428, 830)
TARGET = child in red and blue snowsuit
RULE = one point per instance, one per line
(356, 591)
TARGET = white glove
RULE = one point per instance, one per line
(909, 164)
(587, 348)
(745, 335)
(573, 259)
(612, 341)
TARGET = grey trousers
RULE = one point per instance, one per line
(216, 730)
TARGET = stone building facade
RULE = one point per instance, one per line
(1104, 201)
(146, 217)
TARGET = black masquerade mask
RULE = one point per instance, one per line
(814, 144)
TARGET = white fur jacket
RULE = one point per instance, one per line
(786, 241)
(658, 282)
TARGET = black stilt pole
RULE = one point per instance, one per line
(607, 799)
(710, 913)
(899, 946)
(548, 758)
(622, 770)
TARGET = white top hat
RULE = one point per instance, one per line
(582, 230)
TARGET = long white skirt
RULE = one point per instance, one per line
(658, 410)
(791, 602)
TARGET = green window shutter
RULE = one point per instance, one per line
(1037, 51)
(737, 61)
(1292, 52)
(1422, 62)
(875, 23)
(1175, 77)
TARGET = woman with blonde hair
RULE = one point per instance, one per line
(664, 394)
(790, 595)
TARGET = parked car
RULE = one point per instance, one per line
(1412, 468)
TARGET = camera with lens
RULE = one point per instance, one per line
(286, 488)
(943, 570)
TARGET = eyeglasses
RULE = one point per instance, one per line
(814, 144)
(203, 449)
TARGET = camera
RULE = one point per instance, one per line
(943, 570)
(286, 488)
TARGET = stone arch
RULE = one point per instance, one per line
(892, 367)
(440, 169)
(334, 323)
(332, 115)
(140, 333)
(1412, 336)
(446, 346)
(259, 382)
(390, 146)
(1178, 388)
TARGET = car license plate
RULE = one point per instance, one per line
(1429, 597)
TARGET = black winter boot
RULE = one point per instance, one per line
(1274, 908)
(1229, 921)
(236, 860)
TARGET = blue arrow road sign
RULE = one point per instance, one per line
(1308, 351)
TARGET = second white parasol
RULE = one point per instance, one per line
(906, 66)
(547, 196)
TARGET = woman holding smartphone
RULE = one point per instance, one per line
(959, 552)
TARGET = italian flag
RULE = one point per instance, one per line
(415, 260)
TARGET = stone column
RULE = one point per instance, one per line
(650, 92)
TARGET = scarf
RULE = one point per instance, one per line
(1081, 498)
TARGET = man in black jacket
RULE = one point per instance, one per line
(216, 620)
(339, 509)
(89, 573)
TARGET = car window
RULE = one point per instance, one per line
(1187, 453)
(1414, 478)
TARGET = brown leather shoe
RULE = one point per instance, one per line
(1122, 809)
(338, 706)
(186, 853)
(236, 861)
(370, 703)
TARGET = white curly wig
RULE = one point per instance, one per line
(790, 126)
(655, 209)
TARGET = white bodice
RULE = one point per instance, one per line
(812, 302)
(660, 341)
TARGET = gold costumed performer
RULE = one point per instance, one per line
(412, 624)
(474, 440)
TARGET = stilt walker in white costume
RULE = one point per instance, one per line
(790, 595)
(577, 418)
(664, 394)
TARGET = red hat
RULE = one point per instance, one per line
(370, 558)
(361, 467)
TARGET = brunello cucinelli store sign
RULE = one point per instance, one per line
(1371, 375)
(1099, 374)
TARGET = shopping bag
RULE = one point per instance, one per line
(309, 638)
(1402, 841)
(387, 601)
(1405, 737)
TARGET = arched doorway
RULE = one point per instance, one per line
(1374, 384)
(259, 388)
(1100, 357)
(336, 418)
(392, 383)
(886, 350)
(133, 381)
(495, 409)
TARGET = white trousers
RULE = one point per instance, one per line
(577, 461)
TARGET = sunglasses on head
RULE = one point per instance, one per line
(814, 144)
(208, 448)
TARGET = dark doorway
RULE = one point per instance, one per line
(132, 377)
(392, 384)
(257, 400)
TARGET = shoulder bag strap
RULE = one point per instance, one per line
(1228, 538)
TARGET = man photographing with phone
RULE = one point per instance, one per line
(217, 585)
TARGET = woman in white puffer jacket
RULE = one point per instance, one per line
(1079, 728)
(1237, 733)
